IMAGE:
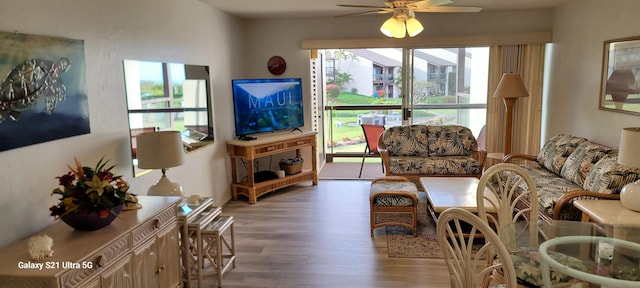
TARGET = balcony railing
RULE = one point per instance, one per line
(383, 77)
(344, 134)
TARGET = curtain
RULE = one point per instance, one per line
(528, 61)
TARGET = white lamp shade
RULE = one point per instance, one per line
(414, 27)
(160, 150)
(629, 152)
(511, 86)
(394, 27)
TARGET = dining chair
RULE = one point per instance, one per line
(511, 192)
(371, 134)
(470, 264)
(509, 189)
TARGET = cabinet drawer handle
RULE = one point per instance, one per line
(156, 223)
(300, 142)
(271, 148)
(160, 269)
(100, 261)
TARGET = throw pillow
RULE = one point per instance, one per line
(450, 140)
(608, 177)
(581, 161)
(406, 140)
(554, 153)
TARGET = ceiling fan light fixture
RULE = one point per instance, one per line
(388, 26)
(414, 27)
(394, 27)
(404, 19)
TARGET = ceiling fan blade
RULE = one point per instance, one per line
(428, 3)
(360, 6)
(381, 11)
(447, 9)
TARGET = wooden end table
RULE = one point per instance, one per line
(606, 212)
(492, 159)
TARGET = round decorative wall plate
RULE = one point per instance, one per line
(276, 65)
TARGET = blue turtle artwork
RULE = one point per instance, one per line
(33, 80)
(43, 89)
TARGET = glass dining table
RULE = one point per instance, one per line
(600, 254)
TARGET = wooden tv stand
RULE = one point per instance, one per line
(250, 150)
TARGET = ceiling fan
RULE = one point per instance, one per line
(404, 20)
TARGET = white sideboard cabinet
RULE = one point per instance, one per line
(138, 249)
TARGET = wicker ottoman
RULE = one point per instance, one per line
(393, 202)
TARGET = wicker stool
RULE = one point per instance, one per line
(217, 249)
(393, 202)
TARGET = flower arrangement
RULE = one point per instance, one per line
(88, 190)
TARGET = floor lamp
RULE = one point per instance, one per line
(509, 89)
(161, 150)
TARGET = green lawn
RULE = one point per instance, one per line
(345, 123)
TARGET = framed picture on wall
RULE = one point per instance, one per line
(619, 90)
(43, 95)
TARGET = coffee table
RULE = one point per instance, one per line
(446, 192)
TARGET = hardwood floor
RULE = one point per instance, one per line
(342, 170)
(318, 236)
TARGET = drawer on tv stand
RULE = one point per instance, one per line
(288, 145)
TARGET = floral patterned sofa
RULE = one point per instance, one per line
(415, 151)
(570, 168)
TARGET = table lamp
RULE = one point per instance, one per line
(161, 150)
(510, 89)
(629, 155)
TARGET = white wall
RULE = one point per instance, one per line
(185, 31)
(579, 30)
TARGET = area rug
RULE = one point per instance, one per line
(402, 244)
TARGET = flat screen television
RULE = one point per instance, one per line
(265, 105)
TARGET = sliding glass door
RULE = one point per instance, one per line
(394, 86)
(449, 86)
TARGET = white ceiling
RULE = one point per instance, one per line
(329, 8)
